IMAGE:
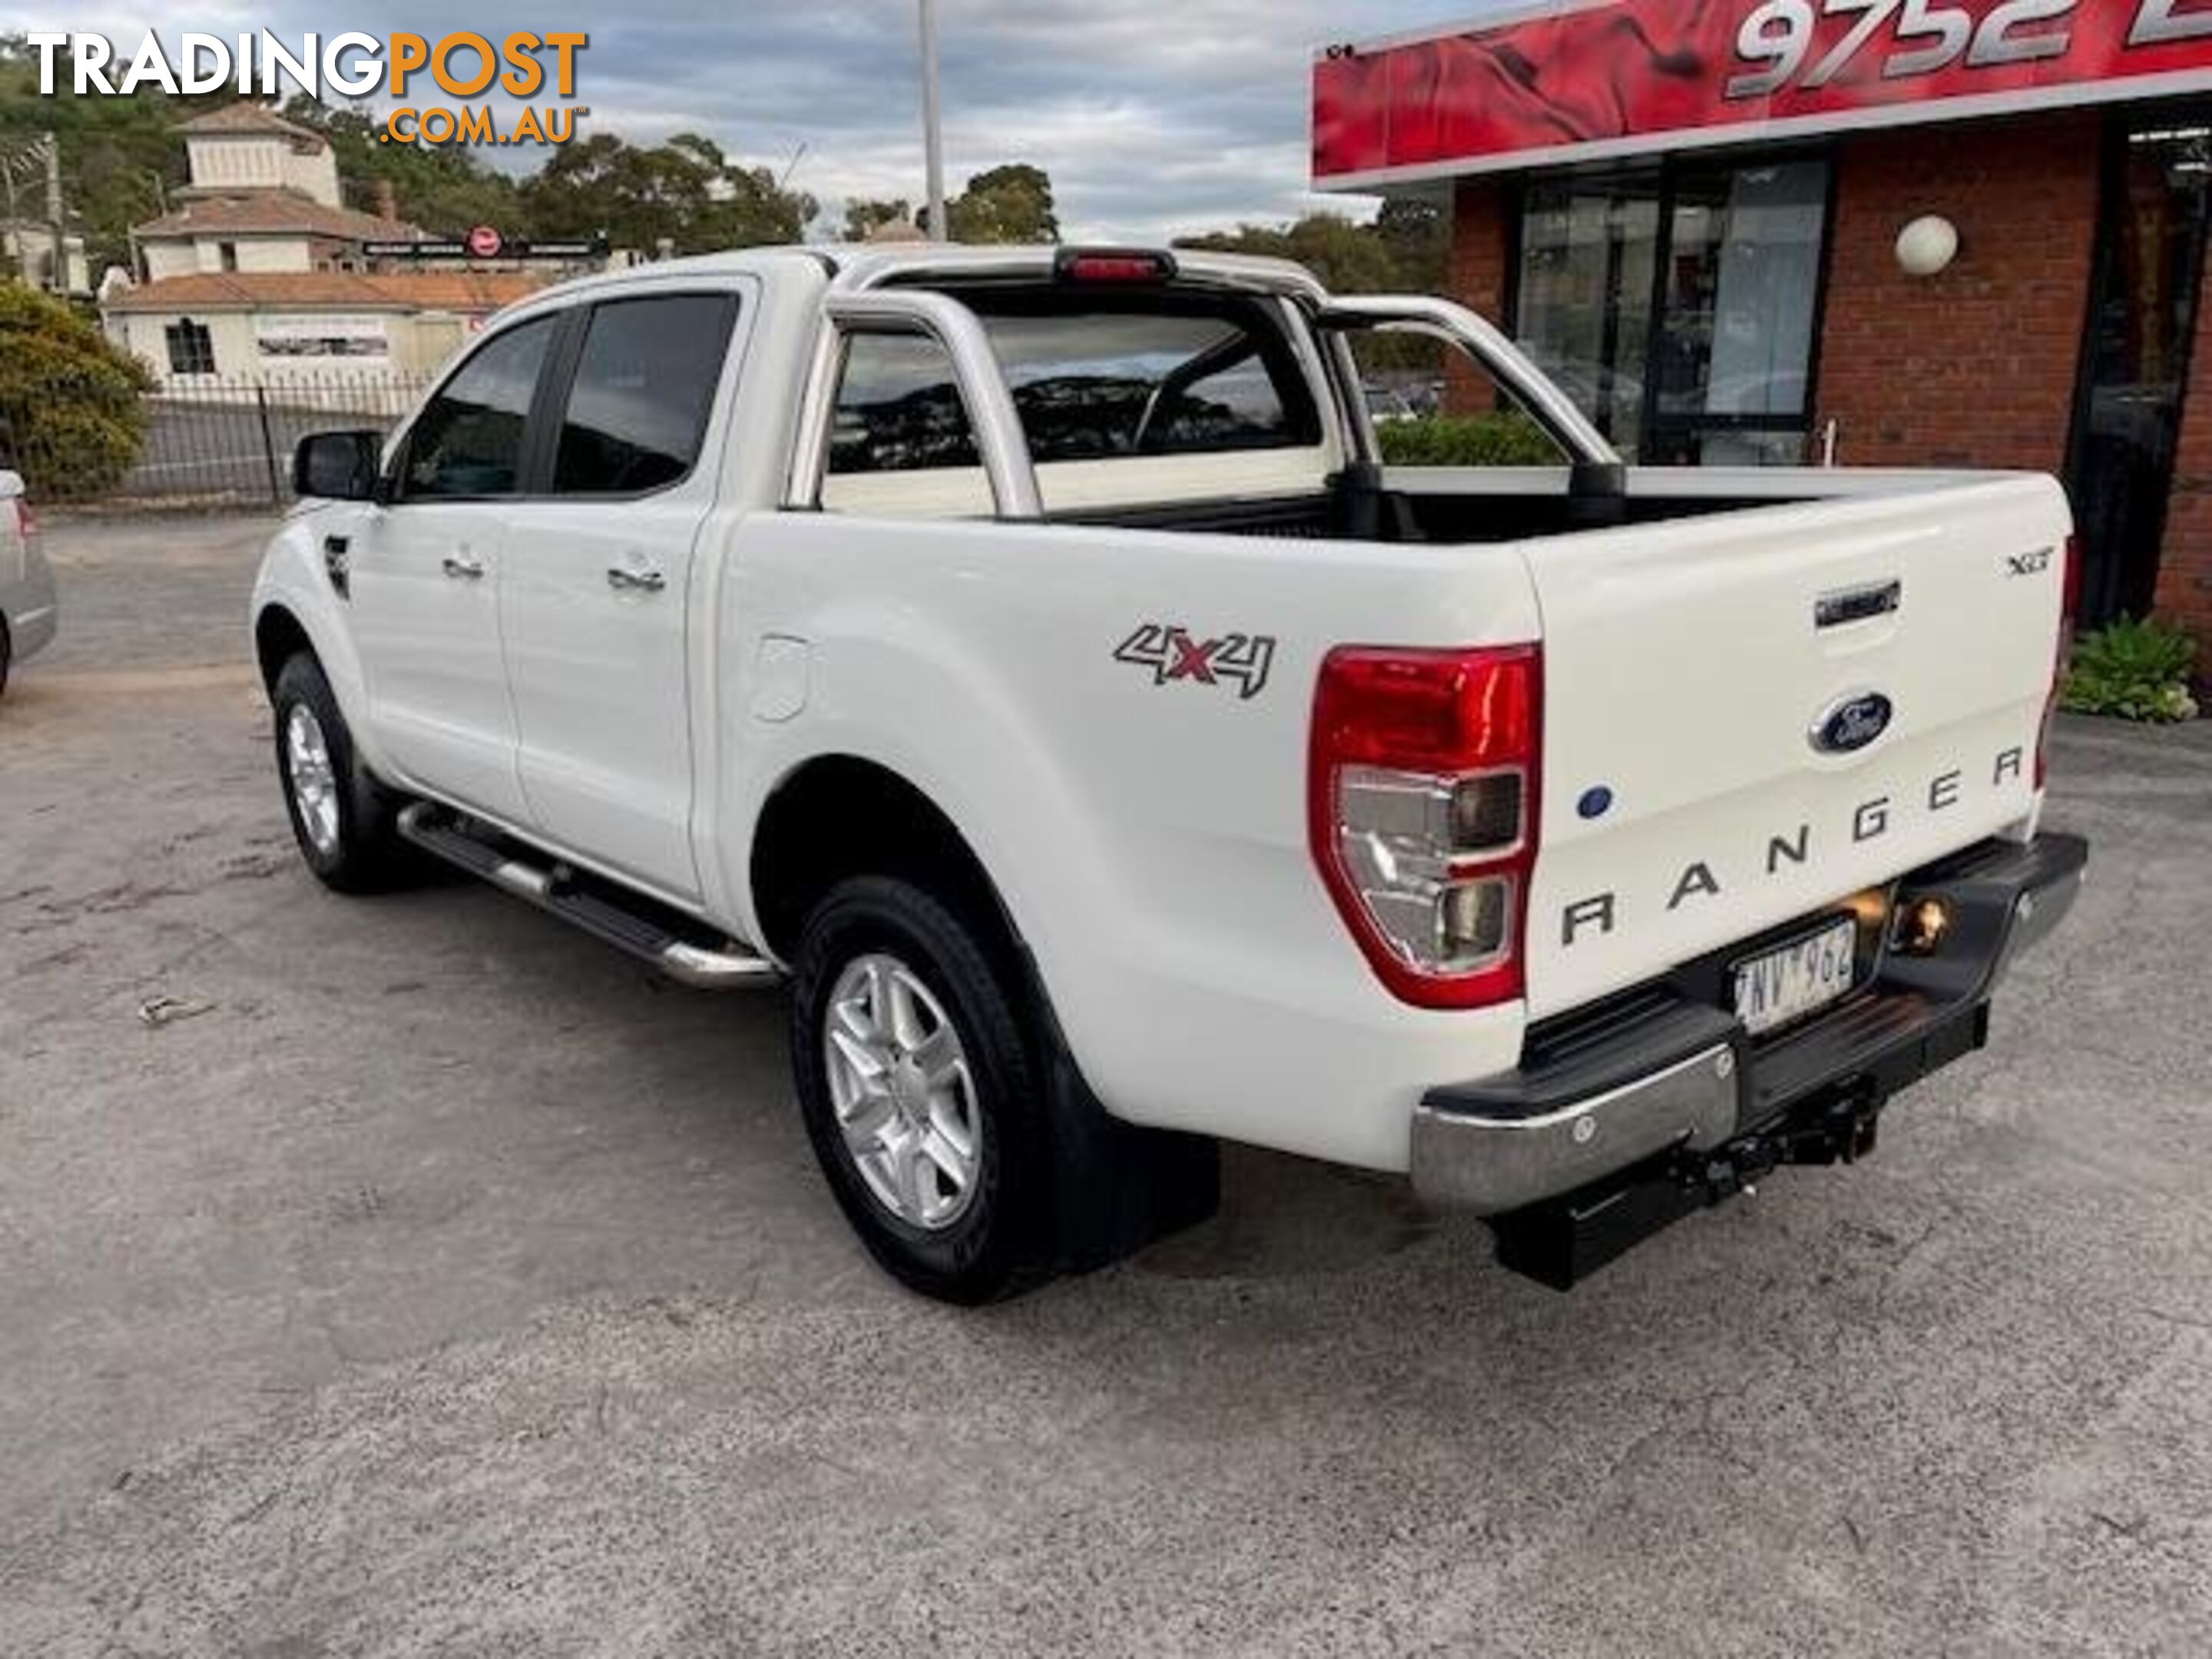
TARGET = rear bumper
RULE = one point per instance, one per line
(1660, 1077)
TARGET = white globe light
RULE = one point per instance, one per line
(1927, 246)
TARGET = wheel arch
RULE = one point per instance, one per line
(278, 636)
(836, 816)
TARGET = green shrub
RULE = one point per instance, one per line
(1507, 438)
(70, 419)
(2138, 671)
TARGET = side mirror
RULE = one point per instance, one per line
(338, 467)
(11, 485)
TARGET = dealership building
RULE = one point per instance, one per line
(1971, 233)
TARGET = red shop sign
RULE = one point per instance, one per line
(1575, 79)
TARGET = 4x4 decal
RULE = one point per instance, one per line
(1239, 660)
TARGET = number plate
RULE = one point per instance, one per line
(1773, 989)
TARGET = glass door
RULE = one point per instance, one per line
(1734, 355)
(1678, 305)
(2136, 361)
(1590, 250)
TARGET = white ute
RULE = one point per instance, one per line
(1025, 654)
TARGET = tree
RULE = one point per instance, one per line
(120, 157)
(746, 207)
(684, 192)
(1010, 203)
(70, 419)
(1347, 258)
(1405, 252)
(863, 219)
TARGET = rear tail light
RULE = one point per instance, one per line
(25, 520)
(2070, 607)
(1423, 813)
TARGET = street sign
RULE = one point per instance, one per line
(486, 243)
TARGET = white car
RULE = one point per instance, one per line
(28, 608)
(1026, 657)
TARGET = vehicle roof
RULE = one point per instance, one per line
(856, 266)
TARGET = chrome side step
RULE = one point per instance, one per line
(635, 926)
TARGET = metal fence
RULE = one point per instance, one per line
(215, 442)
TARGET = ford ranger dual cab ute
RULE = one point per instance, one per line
(1027, 658)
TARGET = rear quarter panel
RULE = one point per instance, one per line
(1148, 835)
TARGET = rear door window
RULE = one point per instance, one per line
(644, 388)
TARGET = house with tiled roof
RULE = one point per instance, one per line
(263, 196)
(259, 272)
(296, 328)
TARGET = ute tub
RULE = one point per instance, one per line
(1658, 1072)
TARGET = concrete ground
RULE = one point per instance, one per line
(449, 1285)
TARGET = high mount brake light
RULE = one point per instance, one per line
(1113, 266)
(2071, 608)
(1423, 813)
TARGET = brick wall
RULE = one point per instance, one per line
(1482, 246)
(1976, 367)
(1481, 278)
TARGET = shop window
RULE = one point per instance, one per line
(2136, 372)
(1678, 304)
(1590, 251)
(192, 348)
(1434, 406)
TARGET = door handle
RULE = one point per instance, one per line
(634, 581)
(464, 570)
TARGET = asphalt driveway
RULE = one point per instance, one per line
(440, 1282)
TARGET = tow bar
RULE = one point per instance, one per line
(1563, 1240)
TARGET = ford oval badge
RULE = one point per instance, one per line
(1853, 724)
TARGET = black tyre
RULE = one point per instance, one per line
(344, 821)
(919, 1092)
(7, 655)
(1027, 1175)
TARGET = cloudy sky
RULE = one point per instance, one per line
(1153, 116)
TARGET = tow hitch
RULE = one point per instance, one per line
(1564, 1241)
(1842, 1130)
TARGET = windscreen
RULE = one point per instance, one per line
(1092, 379)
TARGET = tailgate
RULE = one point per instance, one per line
(1716, 757)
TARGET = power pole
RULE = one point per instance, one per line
(54, 216)
(932, 129)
